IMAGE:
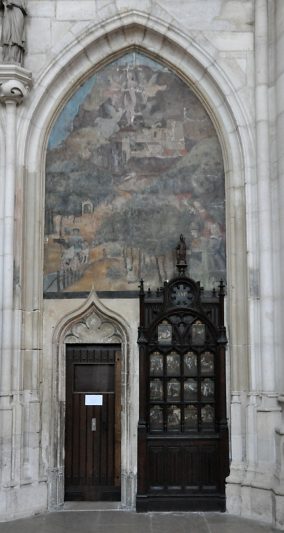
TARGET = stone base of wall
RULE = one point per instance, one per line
(256, 503)
(23, 501)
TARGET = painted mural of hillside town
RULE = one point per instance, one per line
(133, 161)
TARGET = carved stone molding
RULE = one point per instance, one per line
(93, 329)
(15, 83)
(92, 322)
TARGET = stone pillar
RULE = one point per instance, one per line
(252, 494)
(279, 471)
(13, 89)
(262, 411)
(278, 28)
(279, 120)
(11, 94)
(14, 85)
(264, 197)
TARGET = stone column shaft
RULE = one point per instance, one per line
(8, 246)
(264, 197)
(14, 83)
(279, 27)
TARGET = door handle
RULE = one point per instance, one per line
(94, 424)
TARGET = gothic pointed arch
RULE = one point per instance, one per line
(91, 323)
(194, 59)
(195, 63)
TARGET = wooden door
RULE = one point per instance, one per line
(92, 432)
(182, 429)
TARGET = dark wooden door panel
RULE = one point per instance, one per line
(180, 467)
(191, 469)
(209, 468)
(156, 467)
(174, 468)
(97, 378)
(92, 432)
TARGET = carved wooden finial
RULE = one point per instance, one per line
(181, 255)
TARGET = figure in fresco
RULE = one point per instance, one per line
(76, 240)
(13, 31)
(216, 247)
(75, 251)
(181, 251)
(130, 98)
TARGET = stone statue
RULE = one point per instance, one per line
(13, 31)
(181, 251)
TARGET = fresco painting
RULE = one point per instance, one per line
(133, 161)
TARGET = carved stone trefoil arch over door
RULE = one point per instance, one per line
(92, 323)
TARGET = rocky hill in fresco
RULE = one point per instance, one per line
(137, 163)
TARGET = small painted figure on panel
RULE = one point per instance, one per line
(156, 364)
(173, 364)
(198, 333)
(164, 333)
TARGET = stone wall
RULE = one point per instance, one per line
(225, 51)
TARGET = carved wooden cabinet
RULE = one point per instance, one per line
(182, 429)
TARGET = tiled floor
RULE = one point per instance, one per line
(118, 521)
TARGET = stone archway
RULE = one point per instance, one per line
(90, 323)
(195, 64)
(199, 69)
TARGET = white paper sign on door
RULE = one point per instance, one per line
(93, 399)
